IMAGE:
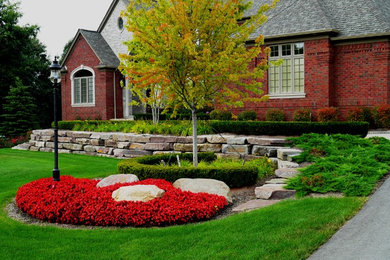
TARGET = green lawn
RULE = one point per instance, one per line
(289, 230)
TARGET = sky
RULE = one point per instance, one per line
(59, 20)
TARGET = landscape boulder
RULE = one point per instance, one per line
(141, 193)
(117, 178)
(210, 186)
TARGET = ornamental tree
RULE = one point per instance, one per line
(196, 51)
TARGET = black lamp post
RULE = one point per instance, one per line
(55, 78)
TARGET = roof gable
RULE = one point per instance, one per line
(109, 12)
(99, 46)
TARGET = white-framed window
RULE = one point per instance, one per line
(83, 87)
(288, 79)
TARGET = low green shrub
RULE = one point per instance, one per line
(249, 115)
(342, 163)
(302, 115)
(150, 167)
(274, 114)
(327, 114)
(264, 165)
(221, 115)
(289, 128)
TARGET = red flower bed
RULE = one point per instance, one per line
(78, 201)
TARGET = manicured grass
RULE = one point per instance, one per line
(289, 230)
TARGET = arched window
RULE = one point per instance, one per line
(83, 91)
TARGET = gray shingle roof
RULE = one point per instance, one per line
(349, 18)
(101, 48)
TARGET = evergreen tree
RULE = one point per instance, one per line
(23, 56)
(19, 111)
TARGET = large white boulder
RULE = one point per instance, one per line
(210, 186)
(142, 193)
(117, 178)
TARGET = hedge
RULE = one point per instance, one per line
(69, 125)
(289, 128)
(258, 127)
(149, 167)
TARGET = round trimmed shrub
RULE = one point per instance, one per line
(383, 116)
(302, 115)
(221, 115)
(275, 114)
(328, 114)
(249, 115)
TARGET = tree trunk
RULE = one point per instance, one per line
(155, 114)
(195, 139)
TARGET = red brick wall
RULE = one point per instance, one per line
(361, 75)
(318, 56)
(343, 76)
(82, 54)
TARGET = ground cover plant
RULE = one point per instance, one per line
(342, 163)
(290, 230)
(79, 201)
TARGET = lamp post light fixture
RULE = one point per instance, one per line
(55, 78)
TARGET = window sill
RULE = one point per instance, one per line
(280, 96)
(83, 105)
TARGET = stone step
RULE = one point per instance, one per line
(276, 181)
(273, 191)
(254, 204)
(263, 150)
(268, 140)
(284, 152)
(290, 157)
(284, 164)
(287, 172)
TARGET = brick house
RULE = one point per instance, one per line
(335, 52)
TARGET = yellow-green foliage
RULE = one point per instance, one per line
(193, 50)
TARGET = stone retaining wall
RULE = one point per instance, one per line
(127, 145)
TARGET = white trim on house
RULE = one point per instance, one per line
(91, 104)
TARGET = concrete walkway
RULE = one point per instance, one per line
(366, 236)
(384, 133)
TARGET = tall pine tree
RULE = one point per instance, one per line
(23, 56)
(19, 111)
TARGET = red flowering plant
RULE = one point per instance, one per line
(79, 201)
(6, 142)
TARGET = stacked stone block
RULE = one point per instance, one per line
(127, 145)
